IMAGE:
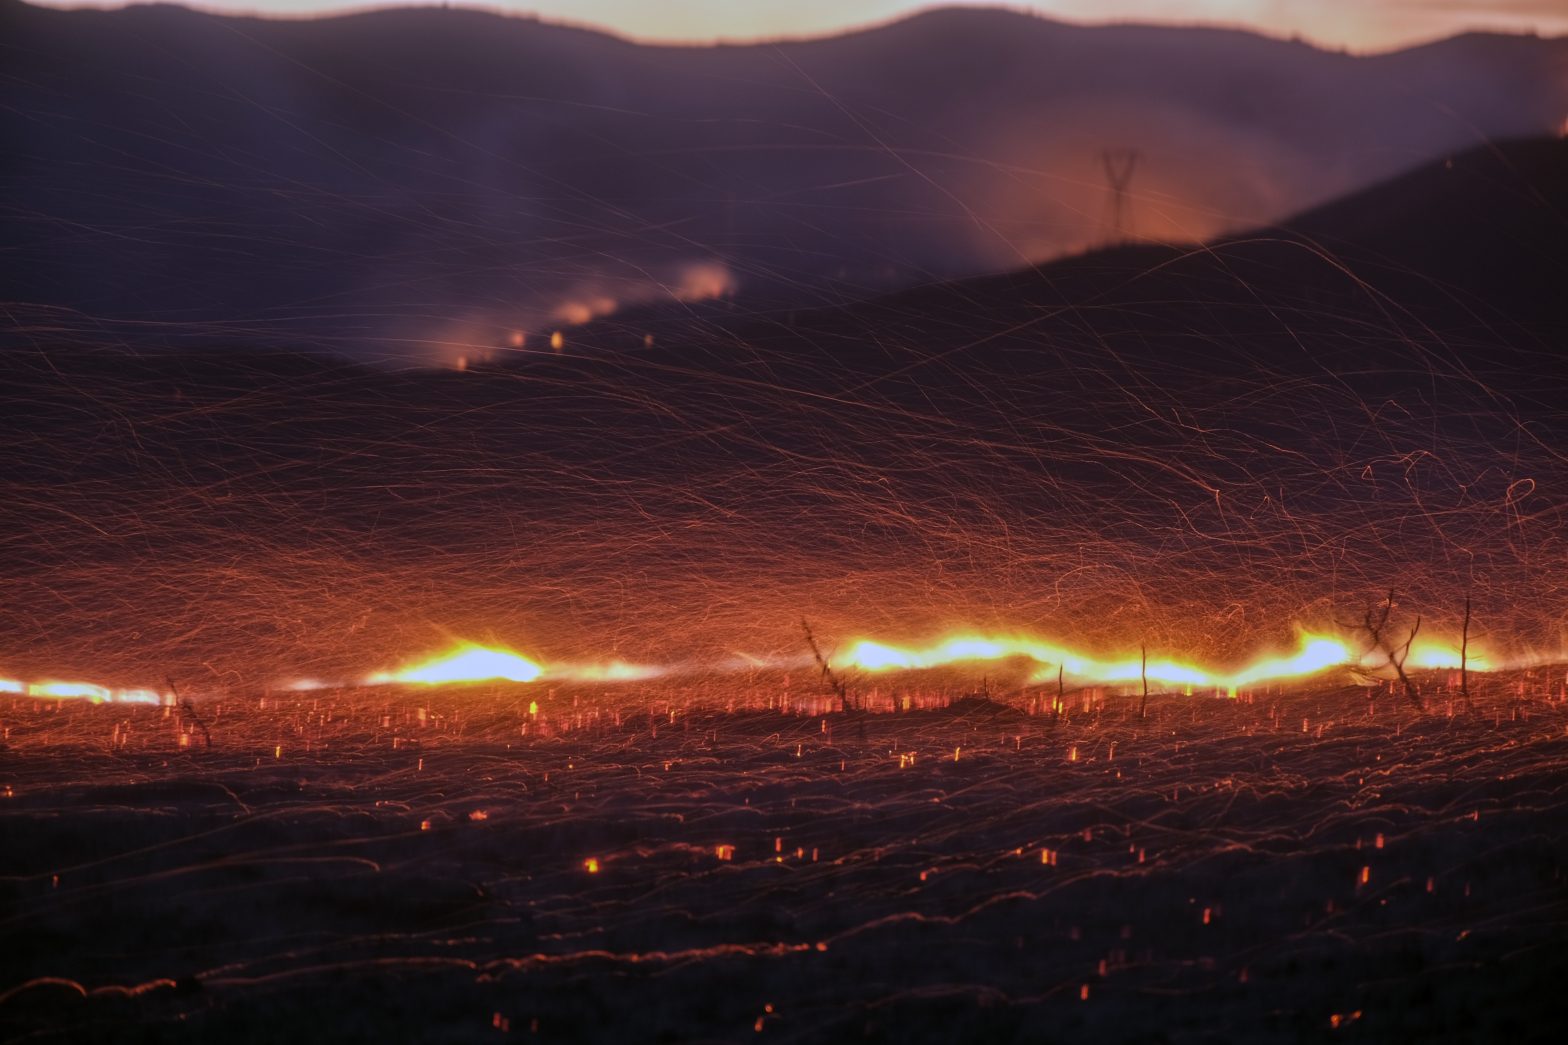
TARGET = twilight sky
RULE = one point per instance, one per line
(1359, 25)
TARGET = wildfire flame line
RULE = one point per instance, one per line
(469, 662)
(1316, 653)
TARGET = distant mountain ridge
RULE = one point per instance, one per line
(418, 183)
(1455, 267)
(1477, 238)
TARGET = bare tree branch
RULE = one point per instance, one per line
(1376, 623)
(830, 679)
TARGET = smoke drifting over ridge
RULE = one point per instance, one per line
(372, 184)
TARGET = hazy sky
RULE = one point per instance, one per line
(1357, 24)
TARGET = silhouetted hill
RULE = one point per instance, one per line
(1195, 445)
(421, 183)
(1470, 253)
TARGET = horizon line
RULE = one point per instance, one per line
(352, 9)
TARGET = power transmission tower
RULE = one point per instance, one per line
(1119, 166)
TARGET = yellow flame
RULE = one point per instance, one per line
(138, 696)
(467, 663)
(1430, 654)
(614, 671)
(83, 691)
(70, 690)
(1316, 653)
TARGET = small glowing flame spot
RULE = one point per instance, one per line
(724, 852)
(591, 865)
(1432, 655)
(467, 664)
(557, 340)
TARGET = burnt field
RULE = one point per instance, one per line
(733, 862)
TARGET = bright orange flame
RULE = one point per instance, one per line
(1317, 652)
(83, 691)
(69, 690)
(467, 663)
(614, 671)
(1432, 654)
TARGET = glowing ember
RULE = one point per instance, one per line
(467, 664)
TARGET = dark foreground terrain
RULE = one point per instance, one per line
(397, 866)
